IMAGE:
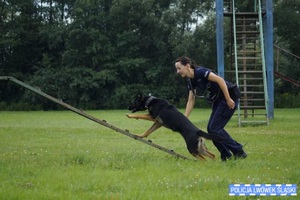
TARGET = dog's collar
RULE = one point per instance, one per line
(149, 101)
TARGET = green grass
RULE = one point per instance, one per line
(61, 155)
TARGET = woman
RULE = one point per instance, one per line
(223, 106)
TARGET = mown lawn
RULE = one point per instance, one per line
(61, 155)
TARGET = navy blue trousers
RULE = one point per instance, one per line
(219, 117)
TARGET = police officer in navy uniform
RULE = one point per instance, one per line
(223, 106)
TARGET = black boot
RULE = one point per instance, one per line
(240, 155)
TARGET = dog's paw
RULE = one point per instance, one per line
(131, 116)
(140, 136)
(137, 136)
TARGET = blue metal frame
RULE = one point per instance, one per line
(220, 37)
(268, 29)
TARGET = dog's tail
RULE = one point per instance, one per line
(210, 136)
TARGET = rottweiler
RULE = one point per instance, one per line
(162, 113)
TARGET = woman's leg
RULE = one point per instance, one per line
(220, 116)
(224, 151)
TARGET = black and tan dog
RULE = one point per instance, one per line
(162, 113)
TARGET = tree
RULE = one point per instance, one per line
(96, 53)
(287, 36)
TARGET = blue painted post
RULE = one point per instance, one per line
(220, 37)
(268, 29)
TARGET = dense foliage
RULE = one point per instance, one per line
(96, 54)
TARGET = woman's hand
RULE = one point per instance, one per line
(230, 103)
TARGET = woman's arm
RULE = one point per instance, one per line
(190, 104)
(215, 78)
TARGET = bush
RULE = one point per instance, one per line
(20, 106)
(287, 100)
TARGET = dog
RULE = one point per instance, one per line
(162, 113)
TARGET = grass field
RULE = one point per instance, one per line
(61, 155)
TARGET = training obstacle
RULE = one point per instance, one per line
(90, 117)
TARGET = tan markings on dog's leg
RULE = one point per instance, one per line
(202, 149)
(141, 116)
(199, 156)
(153, 128)
(210, 154)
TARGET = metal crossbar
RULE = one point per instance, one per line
(92, 118)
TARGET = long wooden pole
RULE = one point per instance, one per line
(90, 117)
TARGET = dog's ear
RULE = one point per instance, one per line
(139, 96)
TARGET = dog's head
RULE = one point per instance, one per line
(139, 103)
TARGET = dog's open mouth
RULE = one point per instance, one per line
(132, 109)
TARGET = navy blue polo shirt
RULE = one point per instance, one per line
(201, 81)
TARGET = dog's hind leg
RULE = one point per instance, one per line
(202, 149)
(209, 154)
(199, 156)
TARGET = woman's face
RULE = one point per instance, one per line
(183, 70)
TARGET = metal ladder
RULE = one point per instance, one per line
(249, 68)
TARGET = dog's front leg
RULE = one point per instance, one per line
(141, 116)
(153, 128)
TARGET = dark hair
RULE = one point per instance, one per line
(186, 60)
